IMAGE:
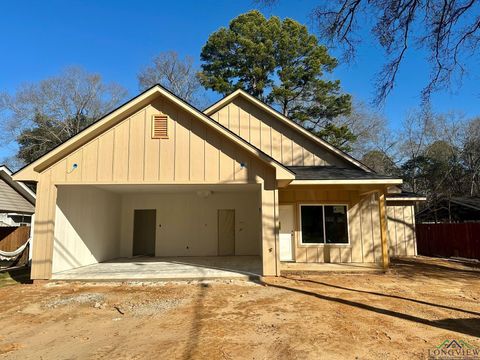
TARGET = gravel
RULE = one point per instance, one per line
(84, 298)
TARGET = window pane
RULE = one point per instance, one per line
(312, 224)
(336, 224)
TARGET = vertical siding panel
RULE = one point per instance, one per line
(212, 156)
(234, 118)
(346, 254)
(44, 227)
(321, 254)
(287, 151)
(244, 124)
(311, 254)
(265, 140)
(334, 254)
(197, 151)
(223, 117)
(408, 216)
(297, 150)
(182, 147)
(105, 156)
(391, 231)
(242, 166)
(152, 148)
(120, 148)
(301, 254)
(354, 213)
(367, 236)
(308, 158)
(89, 161)
(41, 227)
(400, 230)
(276, 145)
(74, 175)
(167, 146)
(226, 161)
(137, 147)
(255, 132)
(59, 172)
(377, 239)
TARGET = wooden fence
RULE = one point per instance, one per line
(11, 238)
(449, 240)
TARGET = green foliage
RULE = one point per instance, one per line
(45, 134)
(281, 63)
(437, 171)
(338, 136)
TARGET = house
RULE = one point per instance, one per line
(455, 209)
(17, 201)
(159, 177)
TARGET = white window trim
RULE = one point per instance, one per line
(324, 232)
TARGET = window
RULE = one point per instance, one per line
(324, 224)
(160, 126)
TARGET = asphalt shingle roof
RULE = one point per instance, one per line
(333, 173)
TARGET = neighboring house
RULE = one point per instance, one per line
(17, 201)
(159, 177)
(448, 210)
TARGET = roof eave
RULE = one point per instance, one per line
(348, 182)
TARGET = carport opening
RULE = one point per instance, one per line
(174, 223)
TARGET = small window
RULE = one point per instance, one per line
(324, 224)
(160, 126)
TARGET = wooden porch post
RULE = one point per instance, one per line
(383, 230)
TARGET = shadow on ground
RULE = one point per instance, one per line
(15, 276)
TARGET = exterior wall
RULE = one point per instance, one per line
(363, 225)
(273, 137)
(86, 227)
(401, 229)
(187, 220)
(126, 154)
(193, 153)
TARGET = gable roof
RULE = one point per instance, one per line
(14, 196)
(30, 172)
(292, 124)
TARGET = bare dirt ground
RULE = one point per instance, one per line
(399, 315)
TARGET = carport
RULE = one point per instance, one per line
(118, 232)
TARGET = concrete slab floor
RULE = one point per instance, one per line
(167, 268)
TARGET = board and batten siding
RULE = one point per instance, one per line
(274, 137)
(363, 225)
(401, 228)
(194, 153)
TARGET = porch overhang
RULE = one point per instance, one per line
(348, 182)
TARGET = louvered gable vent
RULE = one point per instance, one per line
(160, 126)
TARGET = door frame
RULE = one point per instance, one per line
(293, 235)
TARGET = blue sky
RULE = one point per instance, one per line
(117, 38)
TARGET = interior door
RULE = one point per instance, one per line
(226, 232)
(287, 231)
(144, 227)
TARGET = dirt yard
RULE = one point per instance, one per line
(400, 315)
